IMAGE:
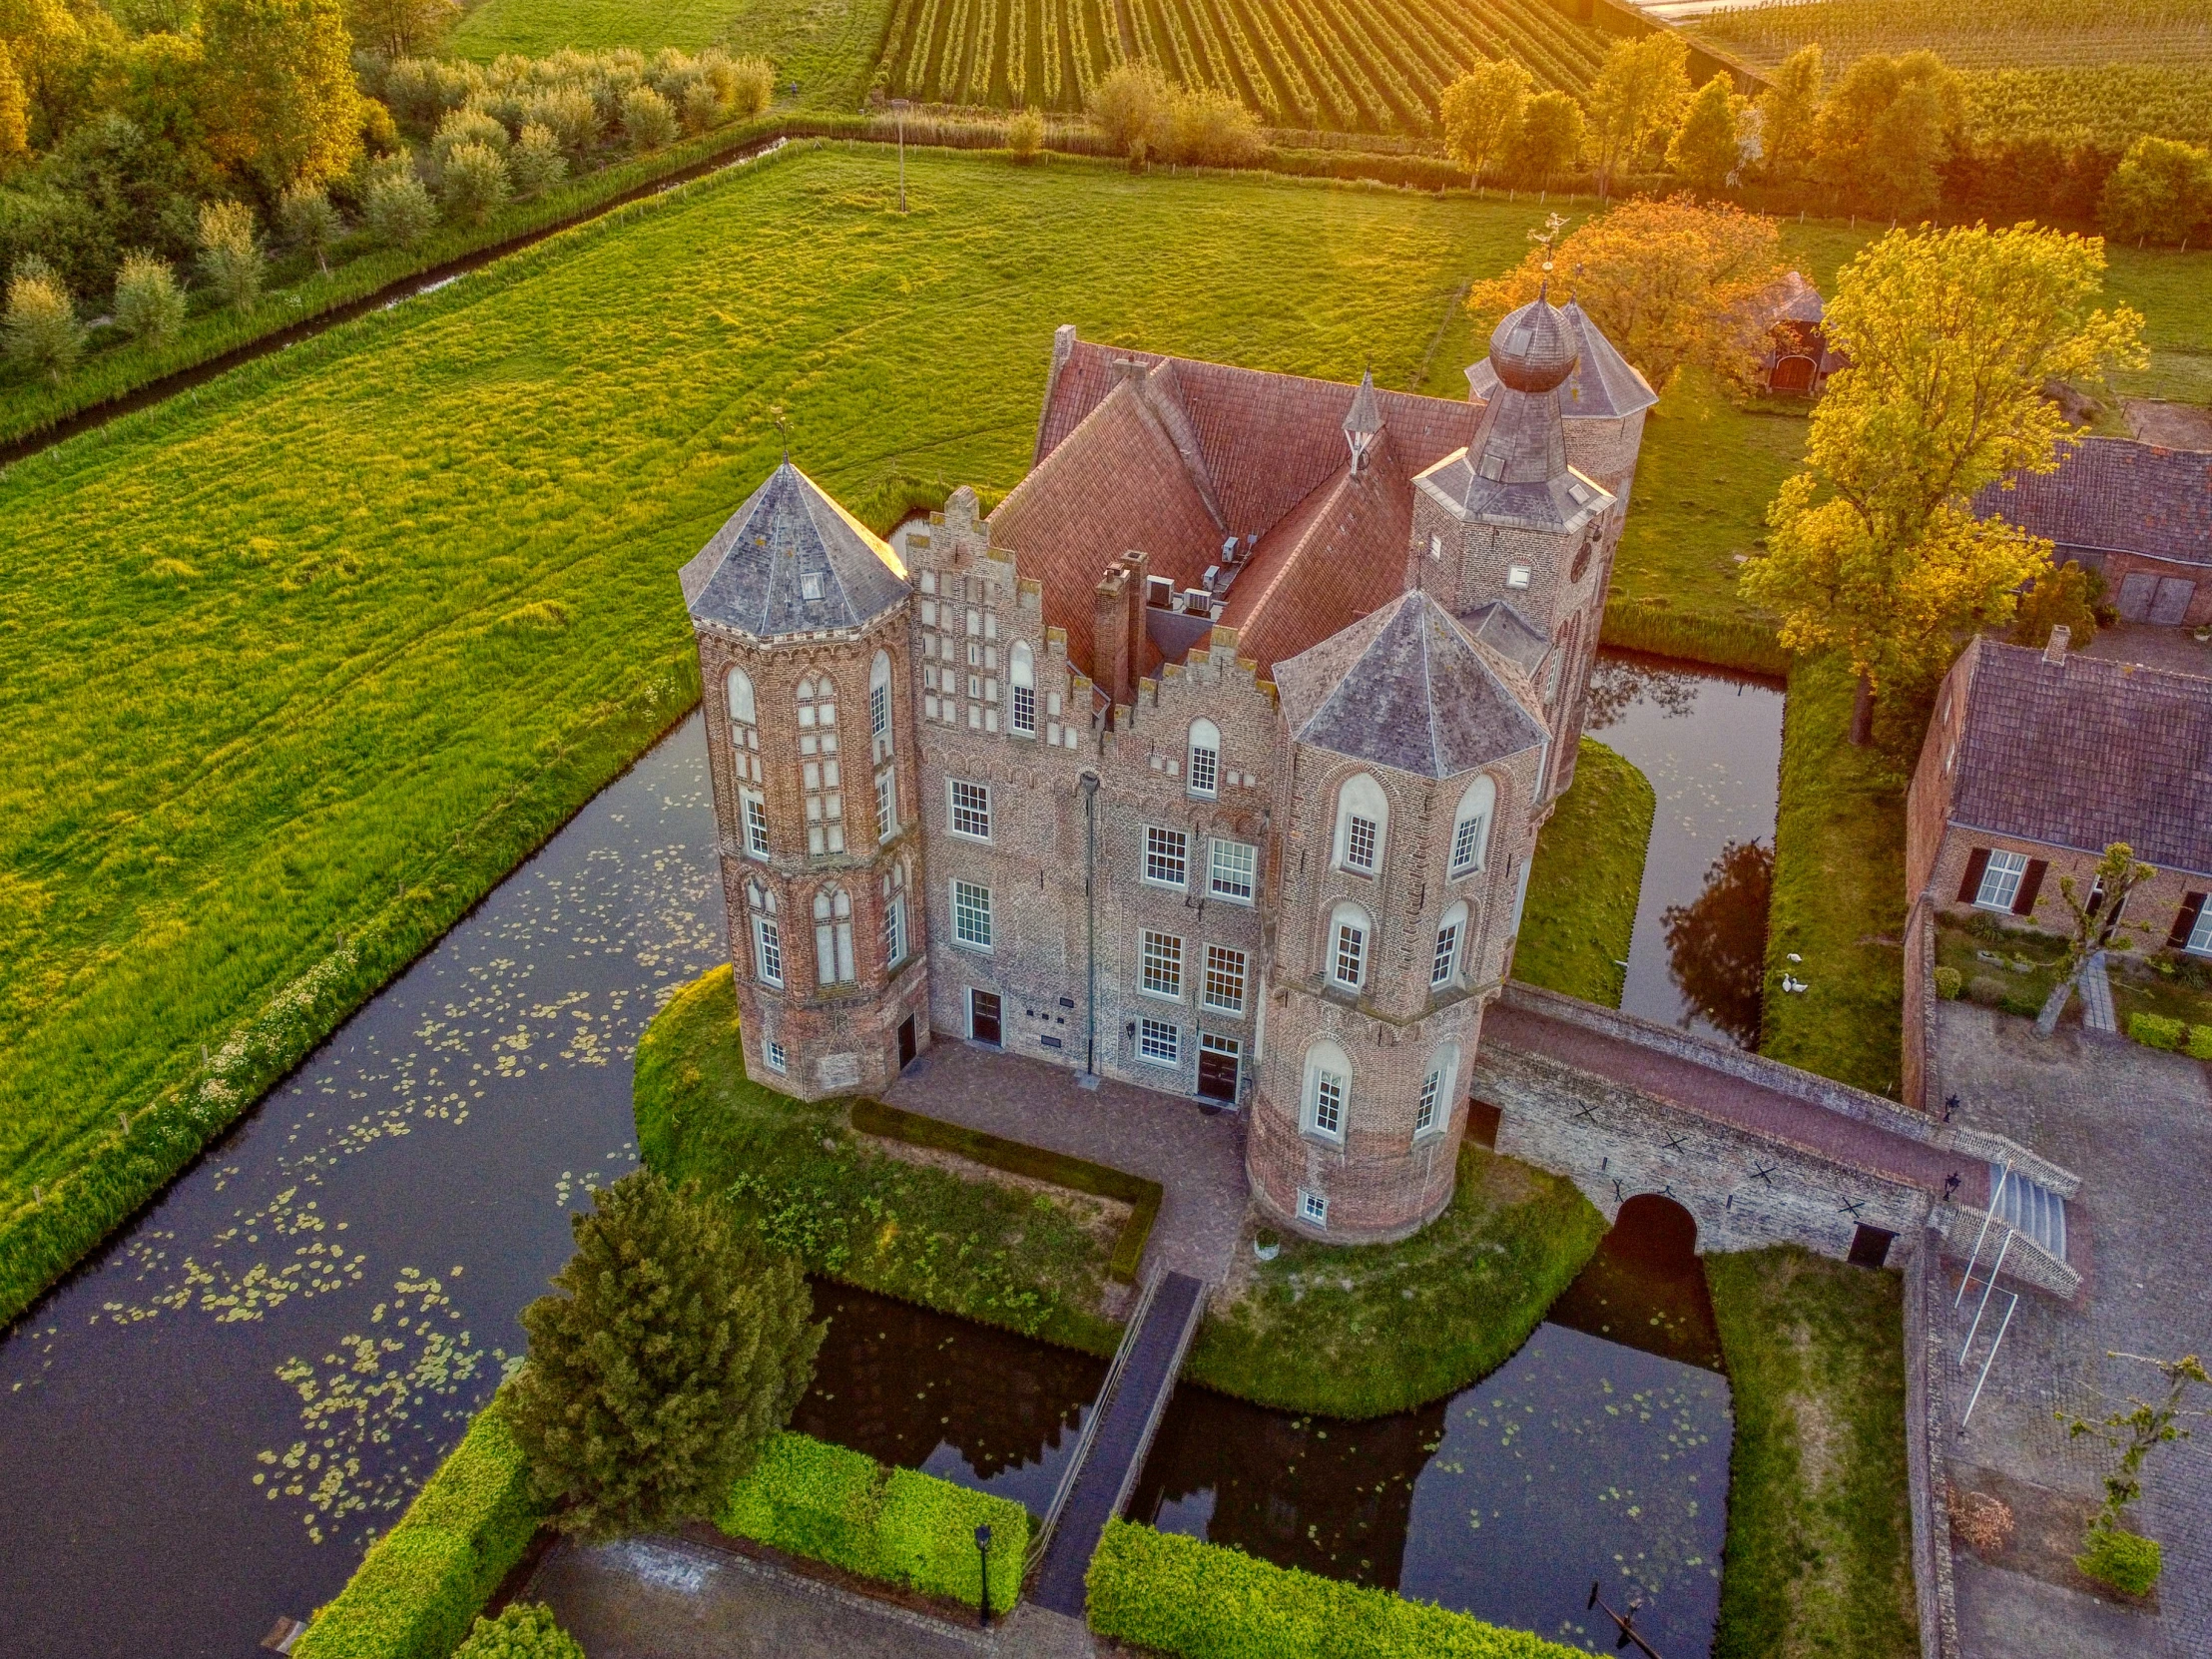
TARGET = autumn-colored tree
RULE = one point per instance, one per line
(1481, 110)
(1705, 148)
(282, 104)
(1789, 110)
(1948, 338)
(1638, 95)
(1548, 139)
(15, 112)
(1668, 281)
(48, 47)
(2161, 192)
(401, 28)
(1885, 128)
(2062, 597)
(1126, 108)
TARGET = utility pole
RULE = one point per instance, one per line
(898, 108)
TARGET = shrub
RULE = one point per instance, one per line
(647, 120)
(310, 223)
(1025, 134)
(467, 126)
(523, 1630)
(148, 305)
(1948, 983)
(1126, 107)
(231, 254)
(535, 164)
(750, 85)
(41, 331)
(1986, 991)
(1205, 127)
(569, 113)
(2156, 1030)
(398, 209)
(700, 106)
(2199, 1045)
(2130, 1564)
(1175, 1596)
(475, 186)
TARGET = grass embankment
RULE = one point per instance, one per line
(1588, 875)
(814, 1186)
(1356, 1330)
(1818, 1519)
(295, 669)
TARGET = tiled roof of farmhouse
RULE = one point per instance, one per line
(1603, 384)
(789, 541)
(1173, 456)
(2088, 751)
(2117, 495)
(1407, 688)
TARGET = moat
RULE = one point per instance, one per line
(200, 1428)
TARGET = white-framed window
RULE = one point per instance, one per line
(756, 825)
(742, 710)
(971, 808)
(886, 804)
(1471, 826)
(1517, 576)
(818, 777)
(1313, 1207)
(895, 913)
(1349, 932)
(971, 914)
(1425, 1115)
(772, 1052)
(1158, 1041)
(1166, 855)
(1434, 1110)
(1444, 965)
(2200, 936)
(833, 964)
(1327, 1093)
(1021, 680)
(1233, 872)
(1225, 980)
(880, 707)
(745, 726)
(2000, 881)
(1203, 775)
(768, 937)
(1362, 820)
(1162, 973)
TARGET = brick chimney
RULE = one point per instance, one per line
(2056, 651)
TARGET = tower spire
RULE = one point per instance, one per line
(1362, 422)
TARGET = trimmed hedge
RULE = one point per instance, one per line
(833, 1505)
(2156, 1030)
(1175, 1596)
(424, 1582)
(873, 1117)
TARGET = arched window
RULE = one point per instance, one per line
(895, 913)
(1451, 939)
(745, 726)
(1351, 939)
(768, 937)
(1021, 676)
(1327, 1091)
(1203, 770)
(741, 710)
(880, 705)
(834, 937)
(1362, 823)
(1433, 1114)
(818, 766)
(1471, 826)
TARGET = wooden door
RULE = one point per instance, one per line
(984, 1016)
(1217, 1068)
(906, 1042)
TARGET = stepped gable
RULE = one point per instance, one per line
(1407, 688)
(2115, 495)
(1603, 386)
(789, 541)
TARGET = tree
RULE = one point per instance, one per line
(2160, 192)
(148, 305)
(1127, 105)
(1025, 134)
(40, 331)
(647, 120)
(281, 98)
(535, 164)
(229, 252)
(1481, 110)
(1885, 128)
(673, 1351)
(751, 85)
(2096, 923)
(474, 184)
(1705, 148)
(1548, 139)
(1789, 110)
(2065, 597)
(15, 112)
(1205, 127)
(2136, 1431)
(401, 28)
(1668, 281)
(523, 1630)
(1950, 338)
(397, 208)
(310, 223)
(1638, 94)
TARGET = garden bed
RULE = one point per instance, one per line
(2014, 969)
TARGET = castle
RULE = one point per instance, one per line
(1212, 760)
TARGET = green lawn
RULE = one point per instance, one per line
(1820, 1527)
(1589, 873)
(824, 1192)
(1356, 1330)
(292, 669)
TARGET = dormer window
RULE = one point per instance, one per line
(809, 586)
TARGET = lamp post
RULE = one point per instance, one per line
(983, 1552)
(898, 108)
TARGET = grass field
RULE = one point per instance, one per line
(1588, 875)
(1818, 1522)
(324, 648)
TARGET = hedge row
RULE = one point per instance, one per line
(833, 1505)
(1725, 642)
(873, 1117)
(424, 1582)
(1175, 1596)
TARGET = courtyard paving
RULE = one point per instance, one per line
(2137, 1126)
(2177, 648)
(1196, 1155)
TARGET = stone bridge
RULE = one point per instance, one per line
(1758, 1152)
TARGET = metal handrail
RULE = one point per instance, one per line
(1042, 1537)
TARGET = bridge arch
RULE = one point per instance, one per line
(1656, 1228)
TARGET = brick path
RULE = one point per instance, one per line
(1197, 1157)
(2137, 1125)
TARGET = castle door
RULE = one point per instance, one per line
(906, 1042)
(984, 1016)
(1217, 1067)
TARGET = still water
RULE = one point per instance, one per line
(1711, 744)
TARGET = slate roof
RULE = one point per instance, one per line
(1515, 474)
(2115, 495)
(1407, 688)
(1508, 633)
(752, 575)
(1602, 387)
(2087, 752)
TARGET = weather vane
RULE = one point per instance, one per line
(781, 432)
(1548, 238)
